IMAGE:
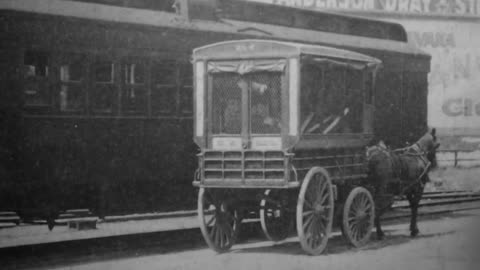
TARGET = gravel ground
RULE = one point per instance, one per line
(446, 243)
(454, 179)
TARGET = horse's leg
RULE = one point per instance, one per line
(414, 199)
(381, 204)
(378, 226)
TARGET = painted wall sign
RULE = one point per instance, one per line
(447, 7)
(454, 79)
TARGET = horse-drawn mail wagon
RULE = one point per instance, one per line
(282, 129)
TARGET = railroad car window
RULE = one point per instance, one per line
(103, 95)
(104, 72)
(134, 92)
(134, 73)
(72, 73)
(36, 72)
(164, 87)
(187, 89)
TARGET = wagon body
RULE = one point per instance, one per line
(286, 124)
(269, 111)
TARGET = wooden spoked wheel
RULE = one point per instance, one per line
(275, 219)
(315, 211)
(358, 216)
(219, 222)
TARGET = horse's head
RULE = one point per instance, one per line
(429, 145)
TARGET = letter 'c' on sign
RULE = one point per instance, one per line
(453, 107)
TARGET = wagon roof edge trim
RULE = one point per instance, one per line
(292, 49)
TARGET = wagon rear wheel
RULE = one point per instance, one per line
(315, 211)
(275, 219)
(358, 216)
(219, 221)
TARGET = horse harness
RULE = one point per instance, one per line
(416, 151)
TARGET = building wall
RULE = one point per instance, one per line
(447, 29)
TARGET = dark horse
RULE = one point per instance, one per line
(400, 172)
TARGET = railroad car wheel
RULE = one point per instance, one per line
(275, 219)
(315, 211)
(358, 215)
(219, 223)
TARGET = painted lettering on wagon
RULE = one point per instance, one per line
(449, 7)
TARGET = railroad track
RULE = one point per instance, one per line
(441, 198)
(433, 204)
(436, 203)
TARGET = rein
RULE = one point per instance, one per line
(415, 147)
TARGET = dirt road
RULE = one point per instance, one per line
(445, 243)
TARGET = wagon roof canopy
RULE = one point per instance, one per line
(262, 49)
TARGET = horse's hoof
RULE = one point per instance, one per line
(414, 233)
(51, 224)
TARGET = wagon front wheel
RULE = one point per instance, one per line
(315, 211)
(358, 216)
(219, 221)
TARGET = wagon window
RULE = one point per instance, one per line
(227, 102)
(134, 92)
(72, 74)
(104, 92)
(36, 72)
(312, 91)
(164, 87)
(331, 99)
(354, 99)
(265, 102)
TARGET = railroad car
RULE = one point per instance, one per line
(96, 99)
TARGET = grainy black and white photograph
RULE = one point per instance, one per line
(240, 134)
